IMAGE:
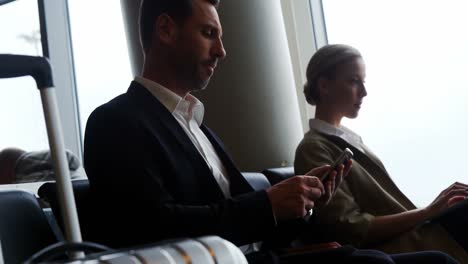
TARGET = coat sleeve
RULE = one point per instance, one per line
(342, 219)
(128, 175)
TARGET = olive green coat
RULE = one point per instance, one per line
(367, 191)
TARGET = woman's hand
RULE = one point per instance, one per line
(455, 193)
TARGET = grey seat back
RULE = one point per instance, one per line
(257, 180)
(24, 228)
(85, 205)
(276, 175)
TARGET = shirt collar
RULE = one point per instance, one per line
(343, 132)
(189, 106)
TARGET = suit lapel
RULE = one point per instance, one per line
(154, 111)
(238, 184)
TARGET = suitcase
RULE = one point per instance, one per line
(206, 250)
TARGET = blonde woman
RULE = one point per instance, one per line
(368, 209)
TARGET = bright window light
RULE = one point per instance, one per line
(414, 117)
(102, 65)
(23, 124)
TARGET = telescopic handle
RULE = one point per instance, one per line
(21, 65)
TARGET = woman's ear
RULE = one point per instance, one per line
(323, 84)
(165, 29)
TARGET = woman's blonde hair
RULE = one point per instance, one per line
(323, 64)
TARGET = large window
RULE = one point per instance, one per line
(88, 53)
(100, 53)
(21, 115)
(414, 115)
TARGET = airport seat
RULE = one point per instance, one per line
(87, 209)
(275, 175)
(84, 205)
(24, 228)
(205, 250)
(257, 180)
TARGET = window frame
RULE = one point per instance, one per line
(305, 27)
(57, 46)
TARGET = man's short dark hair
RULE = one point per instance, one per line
(179, 10)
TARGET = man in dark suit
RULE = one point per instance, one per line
(148, 148)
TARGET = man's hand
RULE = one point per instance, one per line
(333, 182)
(293, 197)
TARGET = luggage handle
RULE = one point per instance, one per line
(21, 65)
(39, 68)
(5, 1)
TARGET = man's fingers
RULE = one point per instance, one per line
(314, 193)
(318, 171)
(313, 182)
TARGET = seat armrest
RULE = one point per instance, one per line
(85, 205)
(275, 175)
(316, 247)
(257, 180)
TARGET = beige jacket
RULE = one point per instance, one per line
(368, 191)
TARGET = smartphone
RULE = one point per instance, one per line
(344, 157)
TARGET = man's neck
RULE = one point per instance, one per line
(165, 77)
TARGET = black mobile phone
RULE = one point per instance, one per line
(344, 157)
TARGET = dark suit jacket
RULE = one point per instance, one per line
(151, 183)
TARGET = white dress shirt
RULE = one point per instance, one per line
(189, 112)
(343, 132)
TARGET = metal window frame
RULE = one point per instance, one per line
(305, 26)
(57, 46)
(318, 23)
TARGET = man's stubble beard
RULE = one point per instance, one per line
(193, 81)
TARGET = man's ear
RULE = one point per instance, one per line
(165, 29)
